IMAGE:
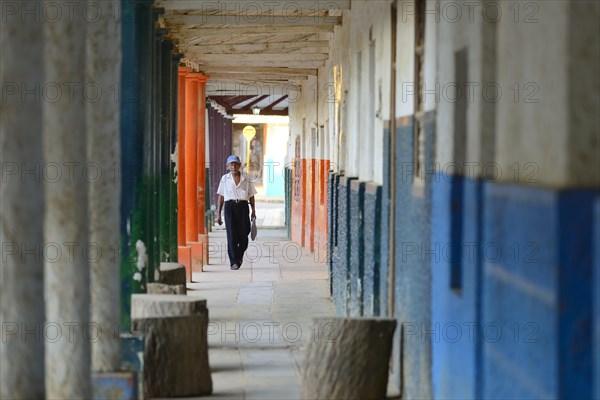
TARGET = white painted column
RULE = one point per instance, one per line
(104, 152)
(66, 221)
(21, 208)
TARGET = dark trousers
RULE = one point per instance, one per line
(237, 223)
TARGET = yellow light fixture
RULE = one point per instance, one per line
(249, 132)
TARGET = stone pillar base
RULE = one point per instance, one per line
(203, 239)
(197, 250)
(184, 254)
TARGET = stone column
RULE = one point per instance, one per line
(67, 271)
(104, 151)
(21, 208)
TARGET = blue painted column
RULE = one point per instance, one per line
(333, 192)
(341, 267)
(372, 254)
(356, 227)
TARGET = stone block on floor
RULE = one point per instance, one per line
(348, 358)
(166, 305)
(175, 356)
(171, 273)
(162, 288)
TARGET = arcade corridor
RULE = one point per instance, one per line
(435, 163)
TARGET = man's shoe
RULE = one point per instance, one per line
(235, 267)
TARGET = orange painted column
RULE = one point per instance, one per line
(201, 170)
(321, 228)
(191, 159)
(184, 251)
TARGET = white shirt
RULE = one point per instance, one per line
(230, 191)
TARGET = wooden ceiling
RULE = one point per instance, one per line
(267, 46)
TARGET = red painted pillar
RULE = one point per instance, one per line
(201, 172)
(184, 251)
(191, 157)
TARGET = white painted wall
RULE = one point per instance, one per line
(465, 29)
(405, 49)
(368, 94)
(534, 132)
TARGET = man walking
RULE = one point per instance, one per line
(236, 191)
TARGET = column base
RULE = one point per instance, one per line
(185, 257)
(197, 258)
(203, 239)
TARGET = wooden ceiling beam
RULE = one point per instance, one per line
(204, 65)
(273, 104)
(320, 46)
(207, 21)
(261, 70)
(253, 6)
(253, 30)
(220, 88)
(264, 57)
(258, 77)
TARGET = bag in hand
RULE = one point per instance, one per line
(253, 229)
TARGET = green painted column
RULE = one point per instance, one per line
(135, 98)
(165, 49)
(175, 148)
(153, 148)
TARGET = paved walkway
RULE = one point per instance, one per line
(260, 316)
(270, 214)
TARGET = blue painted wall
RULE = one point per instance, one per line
(456, 233)
(412, 284)
(537, 293)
